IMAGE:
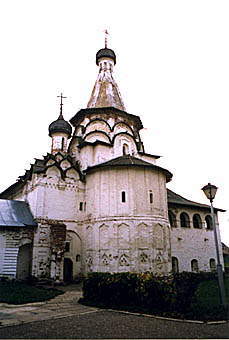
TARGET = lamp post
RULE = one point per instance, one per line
(210, 192)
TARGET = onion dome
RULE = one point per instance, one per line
(105, 53)
(60, 125)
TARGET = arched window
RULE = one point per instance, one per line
(184, 220)
(208, 220)
(175, 265)
(172, 219)
(197, 223)
(194, 266)
(125, 149)
(212, 265)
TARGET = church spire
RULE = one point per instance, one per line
(105, 92)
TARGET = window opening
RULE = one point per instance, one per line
(81, 206)
(77, 258)
(62, 143)
(208, 220)
(194, 266)
(184, 220)
(123, 196)
(150, 197)
(197, 223)
(125, 149)
(212, 265)
(172, 219)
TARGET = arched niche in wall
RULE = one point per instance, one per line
(158, 235)
(97, 135)
(104, 237)
(122, 127)
(123, 236)
(97, 125)
(89, 238)
(72, 174)
(53, 172)
(125, 142)
(143, 235)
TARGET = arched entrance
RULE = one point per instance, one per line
(24, 262)
(68, 270)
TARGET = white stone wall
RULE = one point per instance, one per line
(192, 243)
(104, 192)
(11, 239)
(59, 142)
(126, 236)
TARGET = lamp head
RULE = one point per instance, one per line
(210, 191)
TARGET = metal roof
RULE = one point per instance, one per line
(176, 199)
(15, 214)
(129, 160)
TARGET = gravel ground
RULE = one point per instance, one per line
(113, 325)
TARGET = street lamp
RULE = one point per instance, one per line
(210, 192)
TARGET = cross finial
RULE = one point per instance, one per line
(106, 37)
(61, 105)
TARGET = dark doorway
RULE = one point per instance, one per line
(24, 261)
(68, 266)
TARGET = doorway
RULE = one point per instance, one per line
(68, 270)
(24, 261)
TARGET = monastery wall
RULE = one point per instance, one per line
(194, 244)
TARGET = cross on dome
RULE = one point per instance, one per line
(61, 105)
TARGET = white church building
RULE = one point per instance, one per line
(98, 202)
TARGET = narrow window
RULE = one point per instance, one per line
(208, 220)
(67, 246)
(62, 143)
(123, 196)
(197, 223)
(175, 265)
(81, 206)
(125, 149)
(150, 197)
(194, 266)
(77, 258)
(84, 206)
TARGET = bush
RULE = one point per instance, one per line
(145, 290)
(173, 295)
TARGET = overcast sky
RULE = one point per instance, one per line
(172, 69)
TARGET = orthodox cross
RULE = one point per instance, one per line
(106, 36)
(61, 105)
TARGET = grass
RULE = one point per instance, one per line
(20, 293)
(206, 301)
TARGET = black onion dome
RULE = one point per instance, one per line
(105, 53)
(60, 125)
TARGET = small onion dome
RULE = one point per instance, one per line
(60, 125)
(105, 53)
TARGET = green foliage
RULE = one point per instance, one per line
(174, 295)
(130, 289)
(17, 293)
(205, 302)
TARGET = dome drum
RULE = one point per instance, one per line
(60, 125)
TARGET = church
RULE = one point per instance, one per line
(98, 202)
